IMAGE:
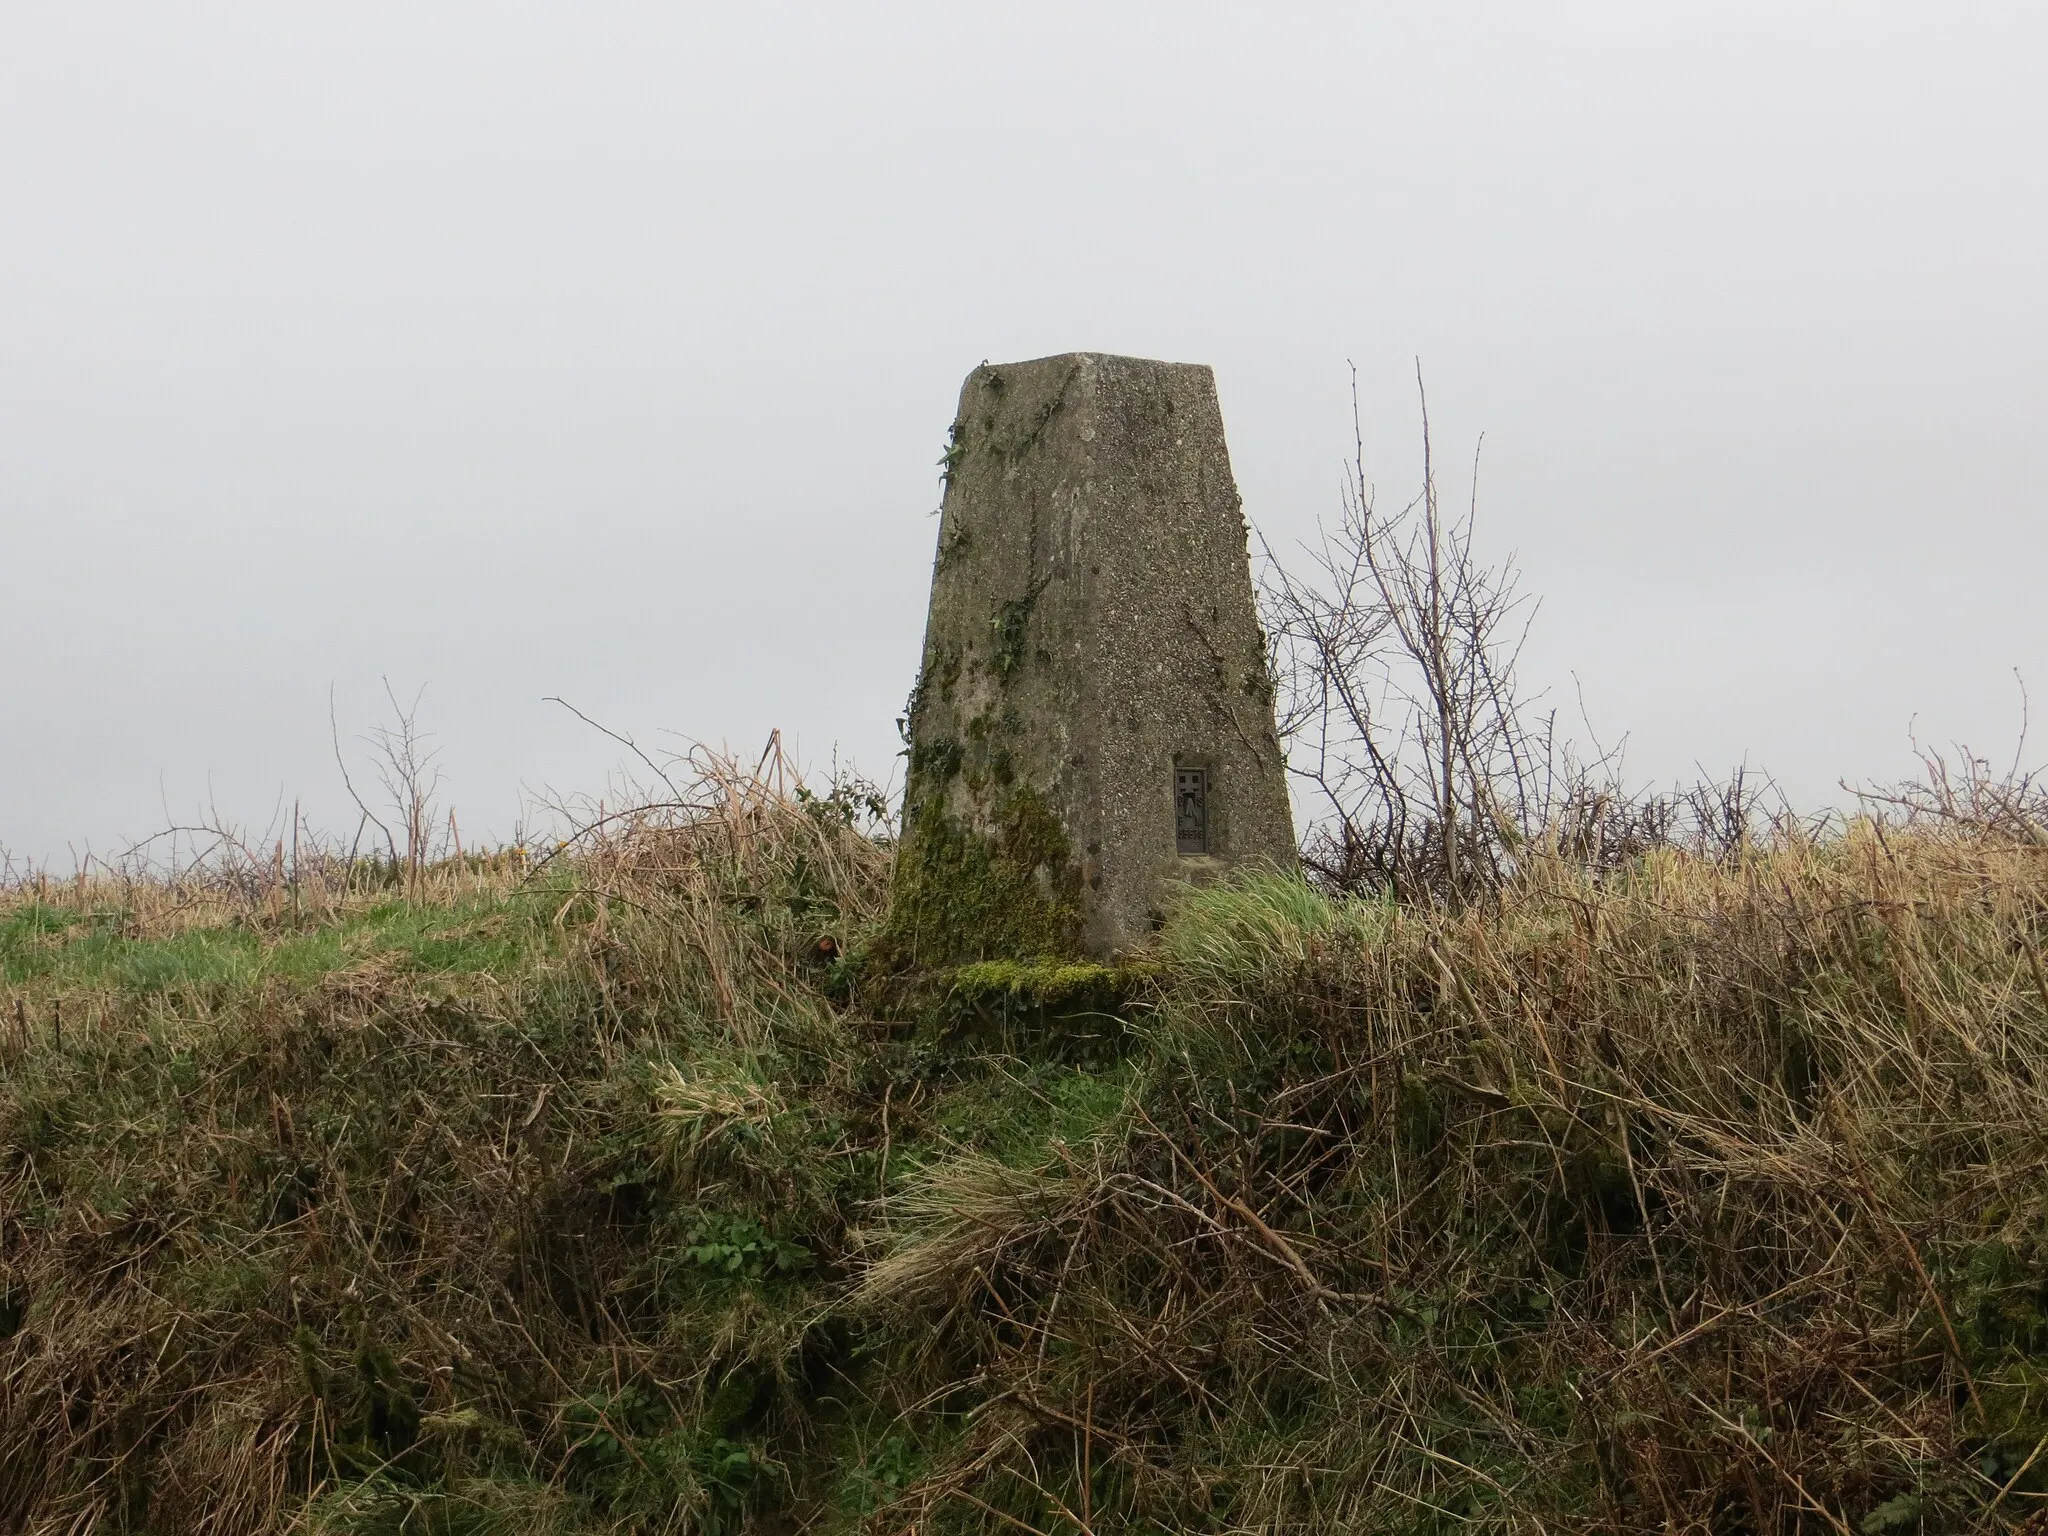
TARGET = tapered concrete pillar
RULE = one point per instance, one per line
(1093, 718)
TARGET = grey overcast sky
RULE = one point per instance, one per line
(606, 351)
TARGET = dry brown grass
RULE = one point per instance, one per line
(1714, 1198)
(1676, 1193)
(346, 1195)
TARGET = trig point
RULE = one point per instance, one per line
(1093, 718)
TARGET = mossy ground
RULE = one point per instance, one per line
(1704, 1197)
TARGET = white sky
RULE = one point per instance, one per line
(606, 351)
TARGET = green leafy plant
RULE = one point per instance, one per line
(740, 1247)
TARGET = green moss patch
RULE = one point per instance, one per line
(1056, 986)
(961, 895)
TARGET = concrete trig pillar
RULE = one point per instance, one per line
(1094, 716)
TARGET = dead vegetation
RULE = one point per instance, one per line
(1711, 1199)
(1429, 770)
(1691, 1190)
(353, 1194)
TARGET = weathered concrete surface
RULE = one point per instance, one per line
(1092, 630)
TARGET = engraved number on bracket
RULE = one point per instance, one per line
(1191, 810)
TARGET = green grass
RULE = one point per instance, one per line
(1016, 1111)
(1251, 927)
(68, 948)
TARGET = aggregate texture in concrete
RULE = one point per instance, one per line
(1093, 718)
